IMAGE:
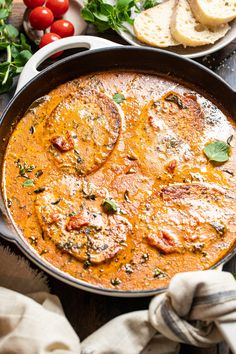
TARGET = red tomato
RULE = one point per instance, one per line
(41, 18)
(33, 3)
(63, 28)
(58, 7)
(49, 38)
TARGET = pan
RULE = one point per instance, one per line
(101, 55)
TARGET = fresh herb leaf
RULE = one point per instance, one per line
(174, 98)
(217, 151)
(28, 183)
(118, 98)
(16, 48)
(105, 16)
(150, 3)
(39, 190)
(159, 274)
(115, 281)
(109, 206)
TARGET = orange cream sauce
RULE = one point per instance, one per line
(148, 159)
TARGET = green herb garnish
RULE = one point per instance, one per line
(175, 99)
(115, 281)
(159, 274)
(28, 183)
(109, 206)
(39, 190)
(17, 51)
(217, 151)
(150, 3)
(118, 98)
(105, 16)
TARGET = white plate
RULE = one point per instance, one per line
(72, 15)
(190, 52)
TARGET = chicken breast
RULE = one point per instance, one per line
(181, 217)
(83, 227)
(82, 132)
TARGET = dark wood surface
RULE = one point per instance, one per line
(86, 311)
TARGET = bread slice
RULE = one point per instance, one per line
(187, 30)
(152, 26)
(213, 12)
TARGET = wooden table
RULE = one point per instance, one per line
(86, 311)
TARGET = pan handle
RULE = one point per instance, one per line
(89, 42)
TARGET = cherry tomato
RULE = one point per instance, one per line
(41, 18)
(31, 4)
(49, 38)
(58, 7)
(63, 28)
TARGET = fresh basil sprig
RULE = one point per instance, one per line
(217, 151)
(14, 48)
(105, 16)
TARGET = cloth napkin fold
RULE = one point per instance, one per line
(186, 313)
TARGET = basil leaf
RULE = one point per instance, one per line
(4, 13)
(100, 16)
(11, 32)
(217, 151)
(150, 3)
(87, 15)
(22, 58)
(28, 183)
(118, 98)
(109, 206)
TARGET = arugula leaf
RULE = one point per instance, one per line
(217, 151)
(118, 98)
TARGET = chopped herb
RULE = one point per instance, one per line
(126, 196)
(24, 168)
(159, 274)
(28, 183)
(145, 257)
(43, 252)
(230, 138)
(118, 98)
(131, 171)
(115, 281)
(56, 201)
(33, 240)
(109, 206)
(174, 98)
(128, 268)
(72, 213)
(39, 190)
(32, 130)
(38, 173)
(220, 229)
(150, 3)
(90, 197)
(197, 248)
(9, 202)
(132, 158)
(87, 264)
(217, 151)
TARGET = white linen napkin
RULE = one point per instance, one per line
(186, 313)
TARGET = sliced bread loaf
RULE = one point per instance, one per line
(152, 26)
(213, 12)
(188, 31)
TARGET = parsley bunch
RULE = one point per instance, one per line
(15, 51)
